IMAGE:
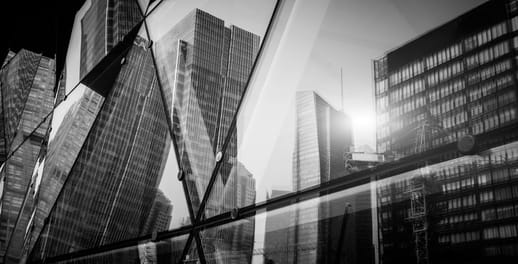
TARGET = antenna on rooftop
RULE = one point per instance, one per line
(342, 88)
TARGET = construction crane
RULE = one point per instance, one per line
(417, 188)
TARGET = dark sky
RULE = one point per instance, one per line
(39, 26)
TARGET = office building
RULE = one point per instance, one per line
(204, 66)
(62, 152)
(160, 215)
(458, 79)
(105, 24)
(112, 185)
(455, 80)
(323, 136)
(27, 96)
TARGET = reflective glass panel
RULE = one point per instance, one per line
(204, 53)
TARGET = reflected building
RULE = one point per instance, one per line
(204, 67)
(62, 152)
(323, 136)
(160, 215)
(103, 26)
(26, 84)
(277, 234)
(111, 187)
(457, 79)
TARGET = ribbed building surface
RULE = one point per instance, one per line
(113, 183)
(204, 67)
(27, 82)
(461, 79)
(322, 137)
(105, 24)
(457, 78)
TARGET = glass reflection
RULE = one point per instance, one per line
(458, 211)
(120, 186)
(203, 68)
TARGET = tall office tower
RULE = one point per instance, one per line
(323, 135)
(62, 152)
(159, 216)
(113, 183)
(105, 24)
(461, 78)
(454, 80)
(204, 67)
(211, 64)
(234, 244)
(278, 227)
(26, 84)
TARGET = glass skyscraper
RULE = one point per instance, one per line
(323, 136)
(112, 185)
(26, 83)
(103, 26)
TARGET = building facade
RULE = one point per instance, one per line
(113, 183)
(454, 80)
(103, 26)
(458, 79)
(27, 97)
(203, 67)
(323, 136)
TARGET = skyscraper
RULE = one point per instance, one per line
(456, 80)
(112, 185)
(204, 67)
(323, 136)
(26, 83)
(278, 228)
(62, 152)
(160, 215)
(210, 65)
(105, 24)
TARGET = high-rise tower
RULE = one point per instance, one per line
(322, 137)
(104, 25)
(27, 96)
(204, 67)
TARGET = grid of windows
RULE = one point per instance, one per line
(458, 85)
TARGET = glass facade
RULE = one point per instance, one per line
(265, 132)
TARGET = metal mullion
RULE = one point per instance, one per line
(199, 247)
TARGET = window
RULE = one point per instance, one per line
(486, 196)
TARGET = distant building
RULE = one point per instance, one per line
(160, 215)
(27, 97)
(323, 136)
(105, 24)
(204, 67)
(277, 234)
